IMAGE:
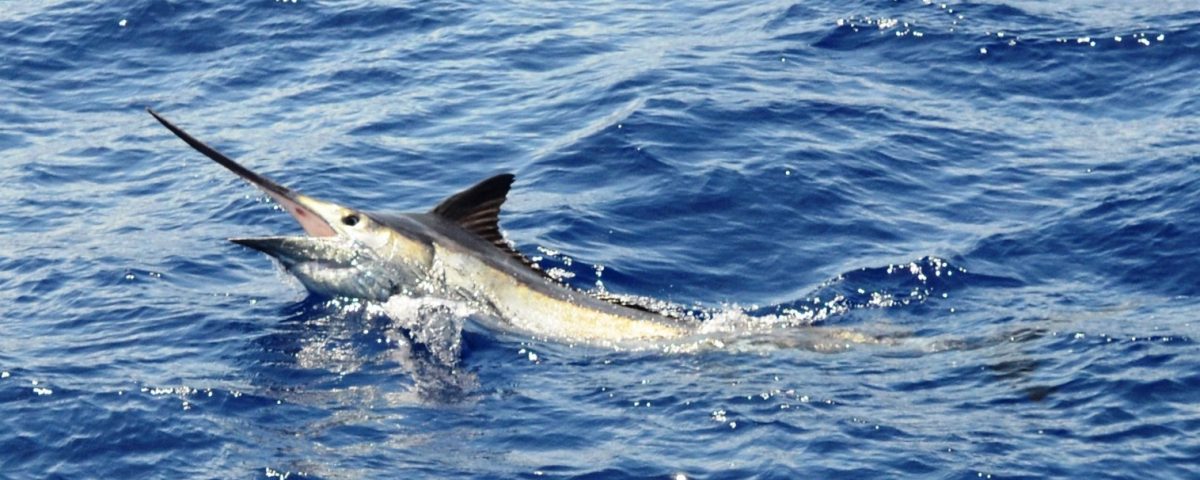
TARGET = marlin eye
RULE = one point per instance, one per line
(350, 220)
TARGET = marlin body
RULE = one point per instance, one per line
(455, 251)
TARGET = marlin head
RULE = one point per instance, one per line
(347, 253)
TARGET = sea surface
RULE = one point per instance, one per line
(929, 240)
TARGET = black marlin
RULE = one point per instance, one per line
(454, 251)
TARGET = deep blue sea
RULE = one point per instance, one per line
(965, 235)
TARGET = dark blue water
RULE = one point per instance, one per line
(979, 221)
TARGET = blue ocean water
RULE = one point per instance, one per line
(983, 218)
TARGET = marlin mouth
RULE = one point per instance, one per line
(302, 207)
(329, 252)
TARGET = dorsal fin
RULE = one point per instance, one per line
(477, 209)
(633, 302)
